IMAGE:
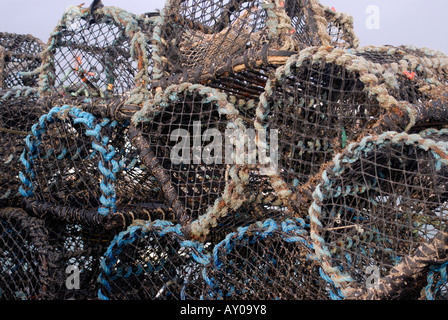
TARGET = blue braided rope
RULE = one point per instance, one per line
(159, 228)
(107, 166)
(290, 230)
(431, 289)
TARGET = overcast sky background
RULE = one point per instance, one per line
(410, 22)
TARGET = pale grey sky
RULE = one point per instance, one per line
(410, 22)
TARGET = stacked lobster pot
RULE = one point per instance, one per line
(224, 149)
(79, 175)
(235, 46)
(247, 233)
(212, 61)
(19, 54)
(26, 258)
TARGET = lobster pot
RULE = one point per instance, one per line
(410, 73)
(26, 260)
(81, 169)
(96, 54)
(380, 209)
(19, 54)
(152, 261)
(19, 110)
(181, 137)
(316, 104)
(323, 98)
(268, 260)
(233, 45)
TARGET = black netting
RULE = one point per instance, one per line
(271, 260)
(181, 138)
(317, 108)
(19, 54)
(19, 111)
(202, 40)
(84, 169)
(78, 250)
(27, 262)
(151, 262)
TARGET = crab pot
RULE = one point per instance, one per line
(380, 207)
(26, 259)
(233, 45)
(414, 88)
(152, 261)
(19, 54)
(96, 54)
(19, 110)
(181, 137)
(268, 260)
(82, 169)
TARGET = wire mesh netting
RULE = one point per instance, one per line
(19, 54)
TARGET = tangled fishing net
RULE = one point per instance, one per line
(221, 150)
